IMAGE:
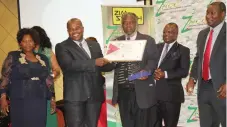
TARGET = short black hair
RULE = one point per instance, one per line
(44, 39)
(173, 24)
(27, 31)
(220, 5)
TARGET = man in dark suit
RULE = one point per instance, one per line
(82, 63)
(209, 68)
(136, 98)
(173, 65)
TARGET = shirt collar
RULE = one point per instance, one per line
(218, 27)
(171, 44)
(77, 42)
(132, 37)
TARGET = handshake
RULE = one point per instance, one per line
(101, 62)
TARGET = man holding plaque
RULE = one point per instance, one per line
(82, 63)
(136, 98)
(173, 65)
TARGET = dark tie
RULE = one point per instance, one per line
(165, 52)
(128, 38)
(206, 56)
(81, 46)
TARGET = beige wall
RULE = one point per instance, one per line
(8, 27)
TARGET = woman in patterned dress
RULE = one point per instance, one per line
(26, 77)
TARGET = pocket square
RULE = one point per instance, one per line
(139, 75)
(175, 55)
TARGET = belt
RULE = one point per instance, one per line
(35, 78)
(208, 81)
(129, 86)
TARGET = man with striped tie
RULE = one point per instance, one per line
(136, 98)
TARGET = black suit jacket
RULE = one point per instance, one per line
(81, 77)
(217, 58)
(145, 90)
(176, 64)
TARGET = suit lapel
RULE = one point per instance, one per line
(203, 42)
(91, 49)
(138, 36)
(77, 49)
(219, 39)
(160, 48)
(172, 49)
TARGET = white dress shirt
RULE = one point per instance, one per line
(217, 30)
(133, 37)
(169, 47)
(85, 46)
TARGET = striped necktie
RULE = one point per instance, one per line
(81, 46)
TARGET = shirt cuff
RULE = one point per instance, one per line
(166, 75)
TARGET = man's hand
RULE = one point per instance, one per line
(159, 74)
(190, 86)
(101, 62)
(222, 92)
(106, 61)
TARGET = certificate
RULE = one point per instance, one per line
(121, 51)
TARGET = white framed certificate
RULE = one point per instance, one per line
(120, 51)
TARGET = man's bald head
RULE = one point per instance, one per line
(74, 20)
(221, 6)
(174, 25)
(215, 13)
(75, 29)
(170, 33)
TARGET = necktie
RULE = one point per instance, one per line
(128, 38)
(206, 56)
(81, 46)
(165, 52)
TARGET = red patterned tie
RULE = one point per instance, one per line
(206, 56)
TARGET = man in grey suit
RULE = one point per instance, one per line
(82, 63)
(136, 98)
(209, 68)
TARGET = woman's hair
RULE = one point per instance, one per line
(27, 31)
(44, 39)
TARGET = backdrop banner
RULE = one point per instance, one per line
(190, 17)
